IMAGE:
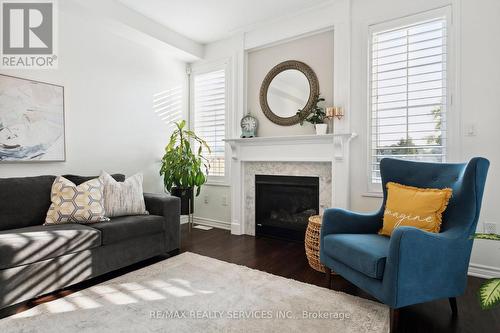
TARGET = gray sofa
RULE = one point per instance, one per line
(37, 259)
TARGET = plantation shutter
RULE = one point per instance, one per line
(210, 116)
(408, 94)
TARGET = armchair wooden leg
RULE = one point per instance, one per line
(328, 273)
(394, 318)
(453, 305)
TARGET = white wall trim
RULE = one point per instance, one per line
(455, 154)
(213, 223)
(295, 25)
(208, 222)
(483, 271)
(128, 23)
(291, 38)
(453, 118)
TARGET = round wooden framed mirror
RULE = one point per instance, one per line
(289, 87)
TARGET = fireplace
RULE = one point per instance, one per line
(283, 205)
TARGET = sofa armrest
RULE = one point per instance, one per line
(341, 221)
(433, 264)
(170, 208)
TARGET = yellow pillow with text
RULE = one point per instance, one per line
(421, 208)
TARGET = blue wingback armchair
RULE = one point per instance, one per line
(412, 266)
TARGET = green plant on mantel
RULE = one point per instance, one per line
(317, 115)
(489, 292)
(181, 167)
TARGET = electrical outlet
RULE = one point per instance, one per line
(490, 227)
(224, 200)
(205, 199)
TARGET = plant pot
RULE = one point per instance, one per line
(185, 194)
(321, 129)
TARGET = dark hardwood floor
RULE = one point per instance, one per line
(287, 259)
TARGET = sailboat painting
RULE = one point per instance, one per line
(31, 121)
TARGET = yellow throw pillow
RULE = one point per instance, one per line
(81, 204)
(415, 207)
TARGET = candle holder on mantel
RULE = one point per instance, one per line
(334, 112)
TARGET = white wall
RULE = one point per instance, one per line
(480, 99)
(110, 83)
(316, 51)
(213, 206)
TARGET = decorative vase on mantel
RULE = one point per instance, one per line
(321, 128)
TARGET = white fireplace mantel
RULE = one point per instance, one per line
(333, 148)
(298, 148)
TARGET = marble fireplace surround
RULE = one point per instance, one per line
(325, 156)
(322, 170)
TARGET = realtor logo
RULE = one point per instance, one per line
(28, 31)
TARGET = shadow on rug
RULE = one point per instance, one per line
(193, 293)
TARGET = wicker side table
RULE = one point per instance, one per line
(311, 243)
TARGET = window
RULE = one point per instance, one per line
(209, 90)
(408, 93)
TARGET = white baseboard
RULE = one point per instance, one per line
(208, 222)
(213, 223)
(483, 271)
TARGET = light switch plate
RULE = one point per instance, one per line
(470, 130)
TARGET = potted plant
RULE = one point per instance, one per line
(316, 117)
(489, 292)
(182, 169)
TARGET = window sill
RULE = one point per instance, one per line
(373, 194)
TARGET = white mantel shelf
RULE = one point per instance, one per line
(328, 138)
(331, 148)
(291, 148)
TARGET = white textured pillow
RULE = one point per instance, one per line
(123, 198)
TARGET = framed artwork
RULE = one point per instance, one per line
(31, 121)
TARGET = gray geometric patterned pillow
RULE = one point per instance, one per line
(70, 203)
(123, 198)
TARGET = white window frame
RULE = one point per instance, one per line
(199, 69)
(452, 116)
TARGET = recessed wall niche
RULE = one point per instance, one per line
(315, 50)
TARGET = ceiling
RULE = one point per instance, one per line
(206, 21)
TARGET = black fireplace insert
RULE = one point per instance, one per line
(283, 205)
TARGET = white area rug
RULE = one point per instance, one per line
(193, 293)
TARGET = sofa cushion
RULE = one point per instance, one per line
(364, 253)
(24, 201)
(126, 227)
(32, 244)
(77, 180)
